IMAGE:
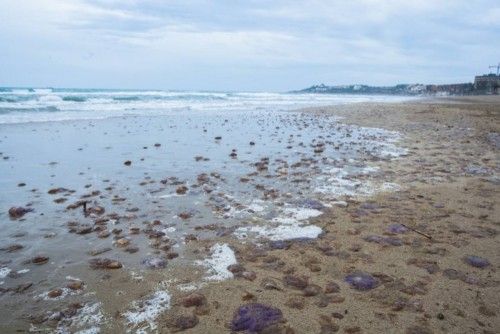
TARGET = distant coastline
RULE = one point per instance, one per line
(488, 84)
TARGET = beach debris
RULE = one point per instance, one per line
(332, 287)
(418, 288)
(20, 288)
(337, 315)
(327, 325)
(78, 204)
(59, 190)
(122, 242)
(353, 330)
(131, 249)
(171, 255)
(417, 231)
(361, 281)
(40, 259)
(96, 210)
(183, 322)
(193, 299)
(296, 303)
(487, 311)
(312, 290)
(181, 190)
(384, 240)
(336, 299)
(418, 330)
(236, 268)
(103, 234)
(18, 212)
(279, 244)
(310, 203)
(75, 285)
(255, 317)
(249, 275)
(270, 284)
(185, 215)
(55, 293)
(429, 265)
(83, 229)
(296, 282)
(190, 237)
(12, 248)
(453, 274)
(104, 263)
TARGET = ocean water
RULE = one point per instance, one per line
(254, 169)
(19, 105)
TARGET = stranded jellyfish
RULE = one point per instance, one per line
(361, 281)
(397, 228)
(255, 317)
(476, 261)
(154, 263)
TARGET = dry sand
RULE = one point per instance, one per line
(449, 191)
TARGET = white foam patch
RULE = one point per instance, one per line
(301, 213)
(289, 226)
(281, 232)
(170, 229)
(341, 187)
(87, 320)
(170, 195)
(91, 330)
(136, 276)
(143, 313)
(189, 287)
(4, 272)
(389, 186)
(369, 169)
(222, 257)
(341, 182)
(256, 206)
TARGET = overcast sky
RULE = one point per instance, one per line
(245, 45)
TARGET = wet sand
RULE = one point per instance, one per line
(411, 278)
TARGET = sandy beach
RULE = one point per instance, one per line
(406, 243)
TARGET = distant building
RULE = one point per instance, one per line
(487, 84)
(451, 89)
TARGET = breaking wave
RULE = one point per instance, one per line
(20, 105)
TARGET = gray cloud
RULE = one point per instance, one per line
(253, 45)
